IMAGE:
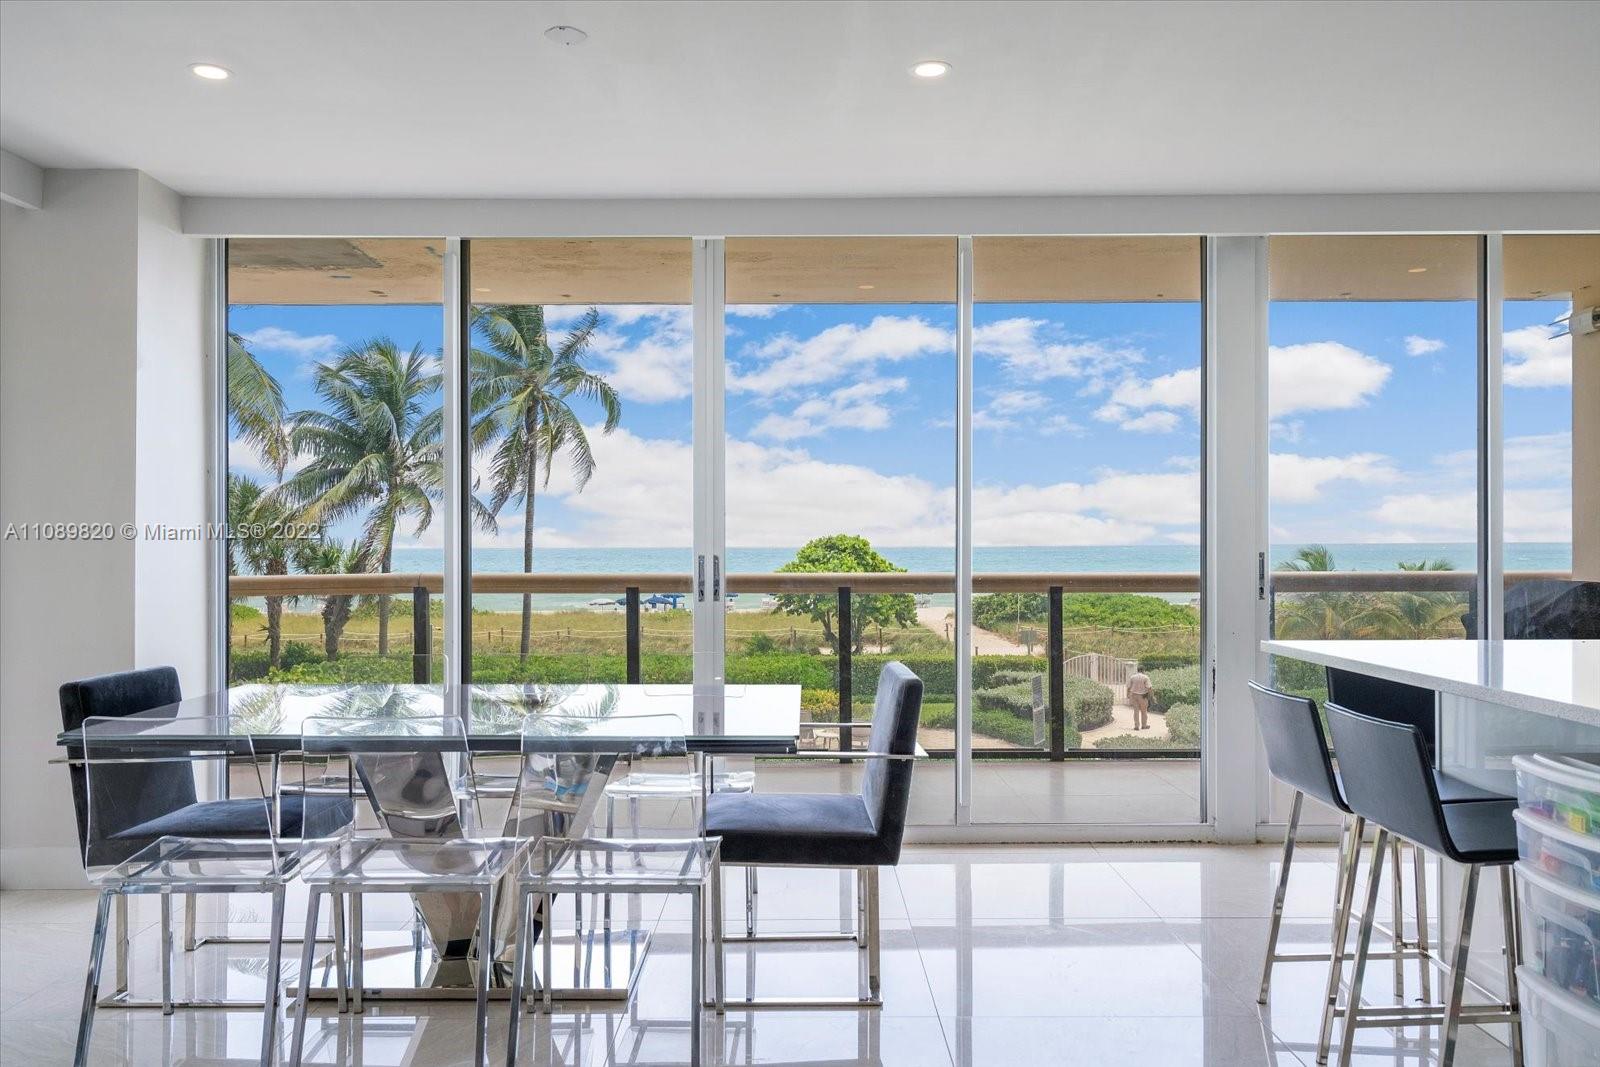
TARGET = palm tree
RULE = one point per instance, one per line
(375, 450)
(259, 546)
(1414, 616)
(333, 557)
(1319, 616)
(1309, 558)
(521, 388)
(255, 405)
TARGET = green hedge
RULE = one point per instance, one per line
(1089, 703)
(1183, 731)
(1174, 685)
(1164, 661)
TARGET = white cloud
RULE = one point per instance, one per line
(1036, 349)
(1002, 410)
(852, 407)
(1296, 479)
(755, 311)
(785, 362)
(1530, 515)
(1153, 422)
(655, 368)
(1422, 346)
(1321, 376)
(1535, 356)
(287, 342)
(641, 494)
(1532, 459)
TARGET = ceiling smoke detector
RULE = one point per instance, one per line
(566, 35)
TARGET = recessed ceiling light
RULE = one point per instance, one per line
(340, 277)
(866, 287)
(481, 289)
(566, 35)
(930, 68)
(1417, 270)
(210, 72)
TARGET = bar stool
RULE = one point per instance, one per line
(1298, 756)
(1388, 779)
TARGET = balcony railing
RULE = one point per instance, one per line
(421, 587)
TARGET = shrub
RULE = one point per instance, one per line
(295, 653)
(1174, 685)
(241, 612)
(997, 609)
(247, 666)
(1163, 661)
(1125, 741)
(1127, 611)
(1088, 703)
(1183, 726)
(760, 644)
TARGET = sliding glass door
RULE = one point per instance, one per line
(839, 460)
(580, 390)
(1086, 529)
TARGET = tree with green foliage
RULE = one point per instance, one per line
(333, 557)
(255, 405)
(521, 391)
(258, 546)
(845, 554)
(376, 450)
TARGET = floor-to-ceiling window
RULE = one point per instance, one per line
(1372, 379)
(840, 454)
(1086, 529)
(334, 459)
(580, 392)
(1550, 390)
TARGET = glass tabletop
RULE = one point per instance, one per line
(756, 719)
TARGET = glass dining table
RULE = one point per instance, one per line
(431, 959)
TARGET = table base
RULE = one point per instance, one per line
(597, 965)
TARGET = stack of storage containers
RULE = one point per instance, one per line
(1558, 878)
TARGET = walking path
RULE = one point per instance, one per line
(984, 642)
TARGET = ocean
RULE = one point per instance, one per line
(991, 560)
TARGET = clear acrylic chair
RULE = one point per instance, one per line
(123, 862)
(417, 774)
(563, 757)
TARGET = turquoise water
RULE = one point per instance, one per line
(1100, 559)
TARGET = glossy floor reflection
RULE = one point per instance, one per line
(1010, 957)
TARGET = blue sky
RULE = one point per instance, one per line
(840, 417)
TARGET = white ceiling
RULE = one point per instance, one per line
(382, 99)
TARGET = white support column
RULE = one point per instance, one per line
(1491, 444)
(707, 596)
(963, 590)
(457, 588)
(1235, 601)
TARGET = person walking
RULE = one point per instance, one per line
(1139, 699)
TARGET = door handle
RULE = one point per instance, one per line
(700, 584)
(716, 578)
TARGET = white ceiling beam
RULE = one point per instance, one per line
(1222, 215)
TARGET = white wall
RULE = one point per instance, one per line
(101, 420)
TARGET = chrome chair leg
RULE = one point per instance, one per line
(485, 965)
(1508, 927)
(269, 1015)
(1419, 866)
(166, 954)
(1458, 966)
(1278, 896)
(122, 943)
(696, 970)
(874, 936)
(91, 988)
(1397, 880)
(547, 935)
(519, 972)
(750, 891)
(1349, 866)
(357, 954)
(307, 951)
(190, 902)
(704, 946)
(1369, 916)
(341, 975)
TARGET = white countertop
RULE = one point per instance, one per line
(1559, 678)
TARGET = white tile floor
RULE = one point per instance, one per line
(1014, 957)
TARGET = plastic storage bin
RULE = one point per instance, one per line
(1561, 933)
(1552, 849)
(1563, 789)
(1558, 1030)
